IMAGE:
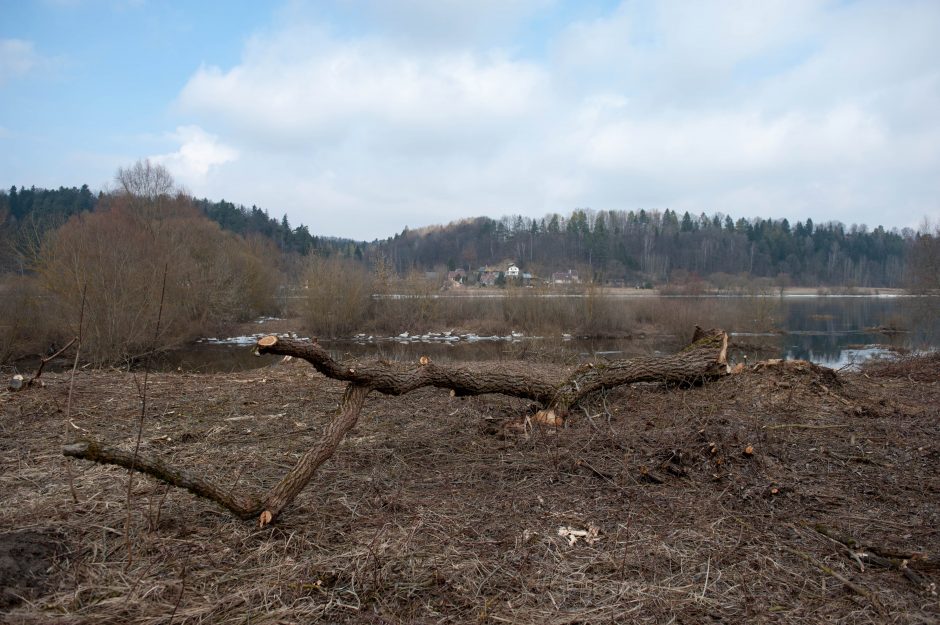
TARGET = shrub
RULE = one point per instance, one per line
(336, 296)
(119, 253)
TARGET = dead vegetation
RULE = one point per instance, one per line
(727, 502)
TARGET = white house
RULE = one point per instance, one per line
(512, 272)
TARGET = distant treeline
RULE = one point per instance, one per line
(244, 221)
(627, 247)
(634, 246)
(33, 211)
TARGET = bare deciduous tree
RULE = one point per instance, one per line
(146, 180)
(924, 262)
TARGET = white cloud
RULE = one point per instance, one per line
(429, 24)
(793, 110)
(778, 109)
(198, 153)
(731, 143)
(300, 86)
(683, 54)
(18, 57)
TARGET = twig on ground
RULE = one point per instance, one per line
(879, 556)
(804, 426)
(42, 363)
(859, 590)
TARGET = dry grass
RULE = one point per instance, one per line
(427, 515)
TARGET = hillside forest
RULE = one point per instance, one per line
(117, 262)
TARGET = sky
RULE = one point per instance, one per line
(358, 118)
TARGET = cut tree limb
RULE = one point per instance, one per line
(705, 358)
(242, 506)
(297, 478)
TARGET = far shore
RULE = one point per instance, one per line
(577, 290)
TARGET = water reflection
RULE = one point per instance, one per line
(842, 331)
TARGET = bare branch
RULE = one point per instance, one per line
(702, 360)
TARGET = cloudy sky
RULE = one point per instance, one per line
(361, 117)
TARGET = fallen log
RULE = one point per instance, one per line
(703, 359)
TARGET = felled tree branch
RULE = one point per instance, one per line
(705, 358)
(242, 506)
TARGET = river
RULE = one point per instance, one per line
(835, 331)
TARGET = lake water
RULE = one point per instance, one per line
(835, 331)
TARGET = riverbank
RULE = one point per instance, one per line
(653, 505)
(581, 290)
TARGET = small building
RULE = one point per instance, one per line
(512, 272)
(488, 278)
(565, 277)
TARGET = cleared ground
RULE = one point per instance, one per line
(431, 513)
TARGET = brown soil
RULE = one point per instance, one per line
(428, 513)
(26, 561)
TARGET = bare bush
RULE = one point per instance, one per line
(337, 296)
(119, 253)
(410, 304)
(590, 311)
(529, 310)
(602, 314)
(24, 326)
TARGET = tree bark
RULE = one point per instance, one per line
(705, 358)
(297, 478)
(244, 507)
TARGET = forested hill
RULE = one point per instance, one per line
(659, 246)
(39, 210)
(254, 220)
(607, 246)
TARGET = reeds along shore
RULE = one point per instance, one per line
(338, 299)
(586, 312)
(29, 328)
(590, 313)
